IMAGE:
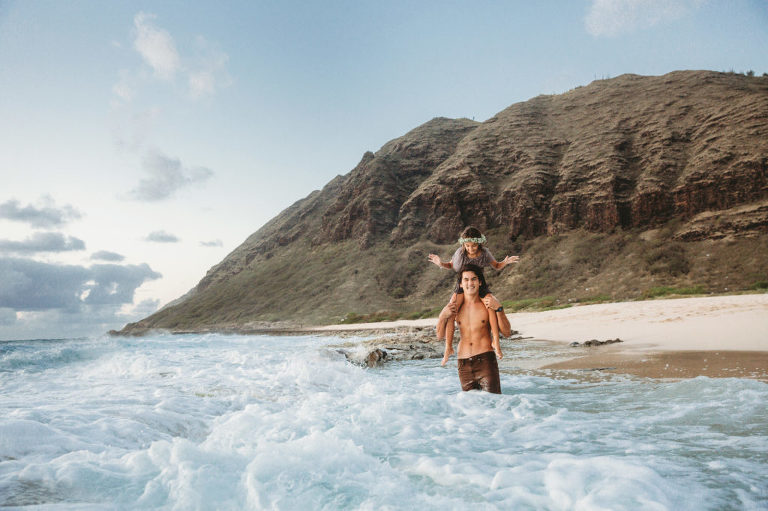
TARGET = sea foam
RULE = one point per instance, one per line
(238, 422)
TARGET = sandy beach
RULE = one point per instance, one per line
(719, 336)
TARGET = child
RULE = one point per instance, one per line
(471, 251)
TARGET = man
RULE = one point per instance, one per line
(479, 329)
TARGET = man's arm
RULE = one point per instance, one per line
(493, 304)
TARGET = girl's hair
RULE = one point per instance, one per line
(474, 234)
(477, 271)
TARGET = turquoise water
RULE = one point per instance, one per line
(238, 422)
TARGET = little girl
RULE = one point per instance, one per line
(471, 251)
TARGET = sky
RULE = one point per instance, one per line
(142, 141)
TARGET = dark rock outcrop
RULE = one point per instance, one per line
(594, 342)
(414, 344)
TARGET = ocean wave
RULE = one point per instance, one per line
(238, 422)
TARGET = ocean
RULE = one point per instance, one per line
(286, 423)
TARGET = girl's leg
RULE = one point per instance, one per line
(442, 319)
(448, 342)
(459, 301)
(450, 325)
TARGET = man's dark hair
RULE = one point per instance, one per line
(477, 271)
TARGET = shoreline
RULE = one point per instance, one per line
(719, 336)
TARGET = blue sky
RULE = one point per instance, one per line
(143, 141)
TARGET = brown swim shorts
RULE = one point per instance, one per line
(480, 372)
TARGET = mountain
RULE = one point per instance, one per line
(614, 190)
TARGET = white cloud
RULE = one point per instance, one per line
(42, 242)
(162, 237)
(203, 71)
(156, 47)
(45, 214)
(29, 285)
(106, 255)
(613, 17)
(167, 175)
(208, 73)
(213, 243)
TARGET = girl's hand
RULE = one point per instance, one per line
(510, 259)
(436, 260)
(491, 302)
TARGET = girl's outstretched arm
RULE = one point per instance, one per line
(507, 261)
(435, 259)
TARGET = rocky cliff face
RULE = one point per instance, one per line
(631, 152)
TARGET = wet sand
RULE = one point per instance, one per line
(673, 364)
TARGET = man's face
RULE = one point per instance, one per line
(470, 283)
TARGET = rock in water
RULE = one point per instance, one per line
(595, 342)
(376, 358)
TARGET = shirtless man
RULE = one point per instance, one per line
(479, 328)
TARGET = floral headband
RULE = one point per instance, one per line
(479, 240)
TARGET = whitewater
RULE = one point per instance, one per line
(262, 422)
